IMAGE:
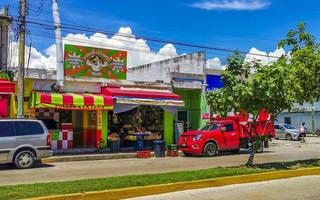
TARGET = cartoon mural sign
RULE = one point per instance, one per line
(82, 62)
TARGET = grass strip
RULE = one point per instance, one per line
(56, 188)
(86, 185)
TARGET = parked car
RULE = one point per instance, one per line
(287, 131)
(23, 141)
(223, 134)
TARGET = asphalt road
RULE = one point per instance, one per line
(305, 187)
(280, 150)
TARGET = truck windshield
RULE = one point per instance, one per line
(211, 127)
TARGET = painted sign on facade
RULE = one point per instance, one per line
(83, 62)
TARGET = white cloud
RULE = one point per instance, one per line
(139, 52)
(232, 4)
(215, 63)
(262, 57)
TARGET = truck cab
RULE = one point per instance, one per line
(223, 134)
(213, 137)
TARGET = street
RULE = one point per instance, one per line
(306, 187)
(280, 150)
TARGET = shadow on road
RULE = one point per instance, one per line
(289, 165)
(12, 167)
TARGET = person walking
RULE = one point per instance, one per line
(303, 132)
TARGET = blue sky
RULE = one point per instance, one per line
(232, 24)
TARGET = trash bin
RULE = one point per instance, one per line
(159, 148)
(114, 145)
(139, 143)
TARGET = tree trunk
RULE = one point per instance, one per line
(253, 142)
(251, 157)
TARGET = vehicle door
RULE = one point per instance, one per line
(29, 133)
(231, 136)
(7, 139)
(280, 131)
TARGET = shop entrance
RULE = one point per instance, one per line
(77, 124)
(141, 123)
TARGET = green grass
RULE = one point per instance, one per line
(55, 188)
(67, 187)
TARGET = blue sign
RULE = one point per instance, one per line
(214, 82)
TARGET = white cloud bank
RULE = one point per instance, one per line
(215, 63)
(262, 57)
(139, 52)
(232, 5)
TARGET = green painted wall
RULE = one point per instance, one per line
(192, 99)
(104, 134)
(168, 128)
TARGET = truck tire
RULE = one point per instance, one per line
(24, 159)
(210, 149)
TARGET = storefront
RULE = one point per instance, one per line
(74, 120)
(7, 88)
(141, 114)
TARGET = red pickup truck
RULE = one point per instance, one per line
(224, 134)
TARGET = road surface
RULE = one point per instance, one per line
(299, 188)
(280, 150)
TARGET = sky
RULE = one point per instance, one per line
(248, 25)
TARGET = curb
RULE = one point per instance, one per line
(72, 158)
(174, 187)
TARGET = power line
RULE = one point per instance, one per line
(68, 27)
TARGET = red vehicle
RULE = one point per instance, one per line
(225, 134)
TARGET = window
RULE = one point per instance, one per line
(6, 129)
(229, 127)
(287, 120)
(27, 128)
(277, 127)
(287, 126)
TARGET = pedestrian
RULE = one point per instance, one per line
(303, 132)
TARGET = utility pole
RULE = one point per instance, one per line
(59, 46)
(22, 36)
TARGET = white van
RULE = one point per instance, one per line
(23, 141)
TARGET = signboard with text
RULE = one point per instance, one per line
(84, 62)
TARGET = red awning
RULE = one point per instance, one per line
(6, 87)
(139, 93)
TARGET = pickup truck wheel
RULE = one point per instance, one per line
(24, 159)
(288, 137)
(210, 149)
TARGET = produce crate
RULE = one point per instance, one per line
(172, 153)
(144, 154)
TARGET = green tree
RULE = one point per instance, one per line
(252, 87)
(303, 64)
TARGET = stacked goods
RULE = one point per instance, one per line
(144, 154)
(61, 139)
(153, 136)
(113, 137)
(131, 137)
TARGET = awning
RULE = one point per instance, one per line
(129, 98)
(71, 101)
(139, 93)
(6, 87)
